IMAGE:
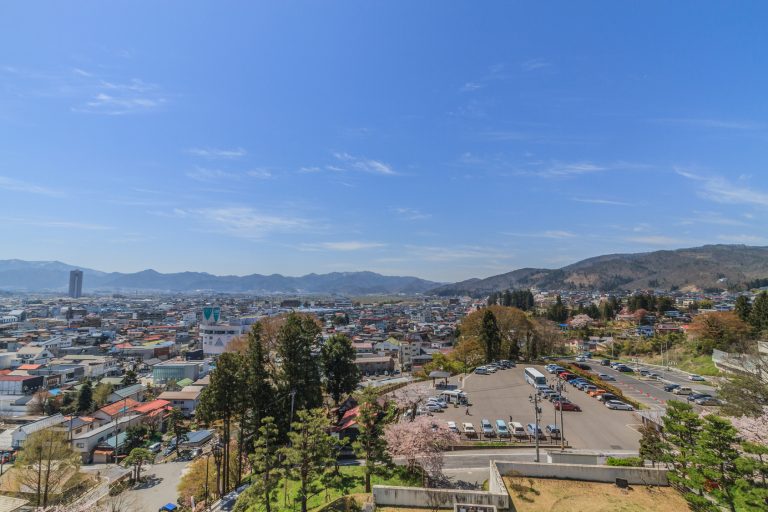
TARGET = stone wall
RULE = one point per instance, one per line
(588, 472)
(388, 495)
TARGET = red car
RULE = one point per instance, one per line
(567, 406)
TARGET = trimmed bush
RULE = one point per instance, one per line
(632, 462)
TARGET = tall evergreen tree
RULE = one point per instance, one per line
(743, 307)
(490, 337)
(266, 463)
(259, 393)
(651, 444)
(557, 312)
(311, 452)
(221, 401)
(339, 369)
(718, 460)
(85, 398)
(299, 371)
(682, 429)
(758, 317)
(177, 427)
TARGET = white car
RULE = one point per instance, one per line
(432, 407)
(452, 427)
(605, 376)
(697, 378)
(618, 405)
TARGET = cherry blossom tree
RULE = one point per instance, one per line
(420, 442)
(753, 429)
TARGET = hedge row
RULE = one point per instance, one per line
(600, 383)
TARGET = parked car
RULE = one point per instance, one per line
(682, 390)
(671, 387)
(696, 395)
(618, 405)
(555, 397)
(486, 428)
(606, 377)
(605, 362)
(481, 370)
(596, 392)
(606, 396)
(432, 407)
(501, 428)
(452, 427)
(534, 430)
(469, 430)
(552, 431)
(697, 378)
(644, 373)
(517, 429)
(588, 388)
(580, 359)
(624, 369)
(567, 406)
(155, 447)
(576, 382)
(709, 400)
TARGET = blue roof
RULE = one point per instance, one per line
(169, 506)
(54, 392)
(198, 436)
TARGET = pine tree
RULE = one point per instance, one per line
(339, 369)
(177, 427)
(85, 398)
(221, 400)
(682, 428)
(299, 371)
(743, 307)
(758, 317)
(651, 444)
(259, 391)
(718, 460)
(265, 461)
(490, 337)
(311, 452)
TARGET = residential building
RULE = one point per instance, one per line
(76, 284)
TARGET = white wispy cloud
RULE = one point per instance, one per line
(412, 213)
(471, 86)
(555, 234)
(439, 254)
(561, 169)
(210, 175)
(533, 64)
(660, 240)
(350, 245)
(743, 239)
(261, 174)
(15, 185)
(714, 218)
(721, 190)
(218, 153)
(114, 98)
(362, 164)
(712, 123)
(246, 222)
(609, 202)
(58, 224)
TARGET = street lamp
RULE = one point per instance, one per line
(534, 399)
(217, 454)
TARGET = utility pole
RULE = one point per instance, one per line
(560, 388)
(534, 399)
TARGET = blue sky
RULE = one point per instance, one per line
(436, 139)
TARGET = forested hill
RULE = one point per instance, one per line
(700, 268)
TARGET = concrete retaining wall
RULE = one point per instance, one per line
(635, 476)
(388, 495)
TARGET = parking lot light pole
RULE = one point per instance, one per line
(534, 399)
(562, 418)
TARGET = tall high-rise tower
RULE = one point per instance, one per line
(76, 284)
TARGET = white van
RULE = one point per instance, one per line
(154, 448)
(517, 429)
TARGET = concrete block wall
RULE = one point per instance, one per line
(389, 495)
(588, 472)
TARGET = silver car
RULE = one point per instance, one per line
(618, 405)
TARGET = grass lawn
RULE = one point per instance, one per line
(545, 495)
(686, 361)
(350, 482)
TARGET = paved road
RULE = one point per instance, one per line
(650, 391)
(164, 478)
(505, 393)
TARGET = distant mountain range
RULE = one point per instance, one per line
(700, 268)
(53, 276)
(711, 267)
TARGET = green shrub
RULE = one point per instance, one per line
(633, 462)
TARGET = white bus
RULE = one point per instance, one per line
(534, 377)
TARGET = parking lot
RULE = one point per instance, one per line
(505, 393)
